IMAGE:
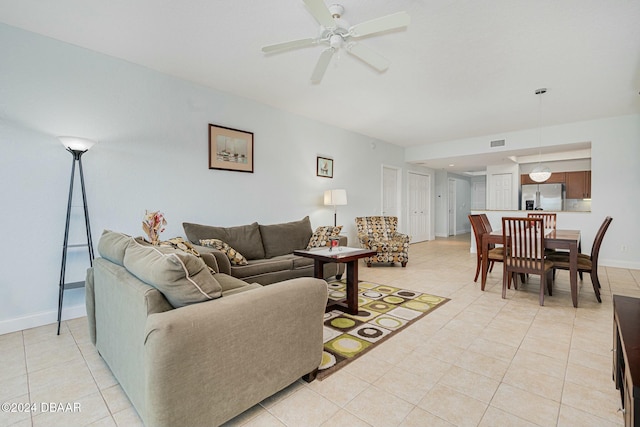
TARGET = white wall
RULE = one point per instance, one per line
(152, 154)
(559, 166)
(615, 177)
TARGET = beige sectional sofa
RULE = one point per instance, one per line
(268, 250)
(187, 363)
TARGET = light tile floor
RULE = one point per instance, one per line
(478, 360)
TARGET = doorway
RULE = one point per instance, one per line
(452, 207)
(500, 192)
(391, 191)
(419, 189)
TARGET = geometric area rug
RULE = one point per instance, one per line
(384, 311)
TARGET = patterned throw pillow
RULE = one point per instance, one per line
(322, 234)
(180, 244)
(234, 256)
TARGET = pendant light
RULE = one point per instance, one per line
(540, 173)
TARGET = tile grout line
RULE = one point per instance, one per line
(92, 376)
(26, 368)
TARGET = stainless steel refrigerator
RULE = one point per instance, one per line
(546, 197)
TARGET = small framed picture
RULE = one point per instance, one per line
(324, 167)
(230, 149)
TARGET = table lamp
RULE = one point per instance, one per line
(335, 198)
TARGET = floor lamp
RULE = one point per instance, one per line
(335, 198)
(77, 147)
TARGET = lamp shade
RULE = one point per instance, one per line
(335, 197)
(75, 143)
(540, 173)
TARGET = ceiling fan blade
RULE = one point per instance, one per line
(321, 65)
(288, 45)
(319, 10)
(384, 23)
(369, 56)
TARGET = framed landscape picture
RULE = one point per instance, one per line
(324, 167)
(230, 149)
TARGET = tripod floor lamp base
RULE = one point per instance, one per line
(77, 147)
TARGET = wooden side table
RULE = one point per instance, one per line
(626, 356)
(344, 254)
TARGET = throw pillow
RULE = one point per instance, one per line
(179, 243)
(322, 234)
(183, 278)
(234, 256)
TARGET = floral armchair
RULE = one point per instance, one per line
(379, 233)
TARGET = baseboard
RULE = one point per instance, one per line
(632, 265)
(41, 319)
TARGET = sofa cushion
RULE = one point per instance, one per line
(302, 262)
(322, 234)
(112, 246)
(263, 266)
(246, 239)
(183, 278)
(231, 285)
(282, 239)
(235, 257)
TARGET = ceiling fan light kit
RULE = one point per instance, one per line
(336, 34)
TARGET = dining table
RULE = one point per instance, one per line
(554, 239)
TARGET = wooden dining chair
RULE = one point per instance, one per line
(548, 218)
(586, 263)
(524, 252)
(494, 254)
(549, 221)
(486, 223)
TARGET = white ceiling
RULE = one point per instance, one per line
(462, 68)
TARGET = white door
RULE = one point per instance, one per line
(419, 207)
(501, 191)
(479, 196)
(452, 207)
(391, 191)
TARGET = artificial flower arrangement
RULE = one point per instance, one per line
(153, 224)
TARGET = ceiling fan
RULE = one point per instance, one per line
(335, 33)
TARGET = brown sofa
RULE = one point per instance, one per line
(188, 363)
(268, 250)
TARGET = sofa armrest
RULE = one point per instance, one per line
(222, 357)
(222, 263)
(402, 237)
(364, 239)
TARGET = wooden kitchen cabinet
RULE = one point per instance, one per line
(626, 356)
(555, 178)
(578, 185)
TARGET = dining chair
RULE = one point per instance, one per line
(548, 218)
(586, 263)
(494, 254)
(486, 223)
(549, 221)
(524, 252)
